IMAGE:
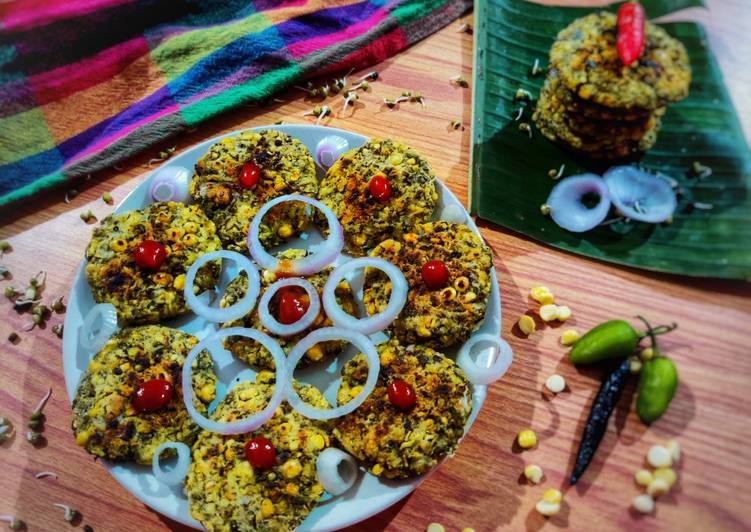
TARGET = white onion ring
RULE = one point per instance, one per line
(487, 370)
(377, 322)
(249, 423)
(329, 149)
(567, 209)
(328, 252)
(639, 195)
(326, 334)
(103, 316)
(233, 312)
(176, 476)
(337, 471)
(170, 183)
(280, 329)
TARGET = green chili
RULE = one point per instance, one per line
(609, 340)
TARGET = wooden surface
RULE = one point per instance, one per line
(480, 487)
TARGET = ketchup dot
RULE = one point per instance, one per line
(292, 304)
(260, 453)
(435, 274)
(153, 395)
(401, 394)
(249, 175)
(380, 188)
(149, 255)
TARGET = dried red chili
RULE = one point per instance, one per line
(630, 21)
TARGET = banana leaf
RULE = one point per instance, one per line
(510, 178)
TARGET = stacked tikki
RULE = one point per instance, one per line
(263, 457)
(609, 81)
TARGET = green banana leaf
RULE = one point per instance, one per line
(510, 178)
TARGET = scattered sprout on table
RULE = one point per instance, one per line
(456, 124)
(519, 113)
(58, 305)
(14, 338)
(57, 330)
(700, 170)
(522, 95)
(364, 85)
(163, 156)
(370, 76)
(465, 28)
(6, 429)
(88, 216)
(107, 198)
(72, 193)
(526, 128)
(279, 122)
(4, 272)
(557, 174)
(349, 97)
(459, 80)
(45, 474)
(70, 514)
(14, 523)
(34, 438)
(536, 69)
(319, 112)
(703, 206)
(5, 247)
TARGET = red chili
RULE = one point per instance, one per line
(260, 452)
(380, 188)
(630, 42)
(249, 175)
(401, 394)
(435, 274)
(292, 304)
(149, 255)
(153, 395)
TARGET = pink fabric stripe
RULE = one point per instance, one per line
(302, 48)
(63, 81)
(24, 14)
(106, 141)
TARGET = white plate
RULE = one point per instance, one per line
(370, 495)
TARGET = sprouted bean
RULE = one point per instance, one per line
(465, 28)
(37, 412)
(34, 438)
(703, 206)
(163, 156)
(536, 69)
(4, 272)
(557, 174)
(88, 216)
(456, 124)
(14, 338)
(544, 209)
(72, 193)
(519, 113)
(370, 76)
(58, 305)
(5, 247)
(6, 429)
(526, 128)
(70, 514)
(349, 97)
(417, 97)
(701, 171)
(460, 81)
(522, 95)
(364, 85)
(57, 330)
(45, 474)
(107, 198)
(14, 523)
(279, 122)
(319, 112)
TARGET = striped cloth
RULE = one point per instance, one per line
(85, 83)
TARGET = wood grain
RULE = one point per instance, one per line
(480, 487)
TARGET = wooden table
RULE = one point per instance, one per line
(481, 486)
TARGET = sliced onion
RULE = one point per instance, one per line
(170, 184)
(337, 471)
(327, 334)
(453, 214)
(329, 149)
(484, 358)
(567, 209)
(326, 254)
(280, 329)
(233, 312)
(176, 476)
(99, 324)
(377, 322)
(254, 421)
(640, 195)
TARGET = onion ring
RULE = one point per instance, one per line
(326, 334)
(250, 423)
(176, 476)
(103, 316)
(280, 329)
(488, 370)
(329, 149)
(337, 471)
(328, 252)
(453, 213)
(233, 312)
(639, 195)
(567, 209)
(170, 184)
(377, 322)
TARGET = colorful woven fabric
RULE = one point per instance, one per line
(85, 83)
